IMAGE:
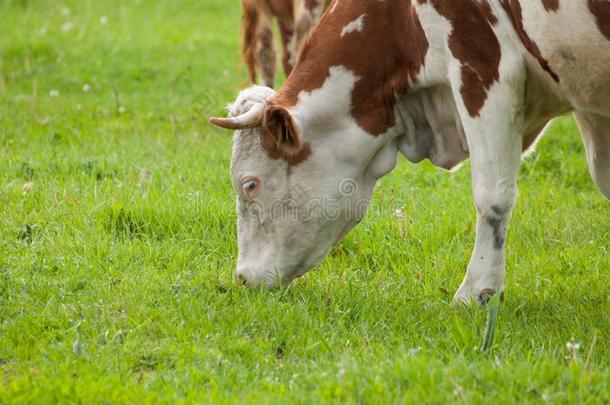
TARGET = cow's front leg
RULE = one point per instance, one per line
(495, 143)
(485, 275)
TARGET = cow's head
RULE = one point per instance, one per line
(301, 184)
(306, 159)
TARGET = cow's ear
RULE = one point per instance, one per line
(280, 135)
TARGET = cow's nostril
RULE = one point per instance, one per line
(240, 280)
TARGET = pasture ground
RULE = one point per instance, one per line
(117, 242)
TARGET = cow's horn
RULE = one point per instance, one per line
(250, 119)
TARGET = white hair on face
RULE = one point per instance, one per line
(248, 98)
(246, 142)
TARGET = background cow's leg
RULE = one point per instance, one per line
(287, 33)
(306, 16)
(495, 143)
(265, 49)
(249, 30)
(595, 131)
(257, 48)
(316, 9)
(302, 24)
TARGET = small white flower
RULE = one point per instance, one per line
(54, 93)
(67, 26)
(399, 213)
(573, 346)
(122, 109)
(28, 187)
(76, 346)
(145, 176)
(103, 20)
(414, 351)
(86, 87)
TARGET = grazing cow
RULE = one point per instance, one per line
(442, 80)
(295, 18)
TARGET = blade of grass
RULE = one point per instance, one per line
(493, 308)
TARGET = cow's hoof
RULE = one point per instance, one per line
(468, 297)
(464, 297)
(485, 295)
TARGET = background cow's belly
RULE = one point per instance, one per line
(576, 45)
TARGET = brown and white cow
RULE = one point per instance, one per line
(442, 80)
(295, 19)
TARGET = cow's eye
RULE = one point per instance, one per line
(250, 186)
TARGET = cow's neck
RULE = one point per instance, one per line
(366, 40)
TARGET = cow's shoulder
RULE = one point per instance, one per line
(381, 43)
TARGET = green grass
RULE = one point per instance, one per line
(117, 242)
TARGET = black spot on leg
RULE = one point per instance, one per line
(495, 221)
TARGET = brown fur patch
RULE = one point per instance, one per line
(386, 57)
(550, 5)
(601, 10)
(312, 4)
(280, 137)
(513, 8)
(474, 43)
(488, 12)
(281, 8)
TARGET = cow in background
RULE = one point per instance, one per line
(295, 19)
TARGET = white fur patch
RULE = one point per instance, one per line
(335, 95)
(355, 26)
(248, 98)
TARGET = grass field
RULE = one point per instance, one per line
(117, 242)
